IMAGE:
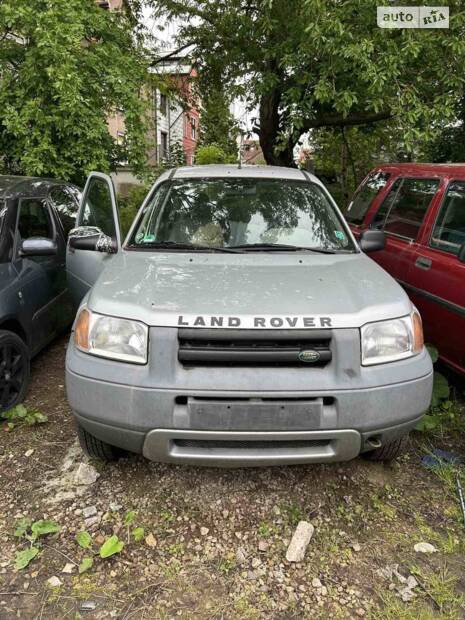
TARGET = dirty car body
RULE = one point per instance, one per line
(35, 217)
(237, 344)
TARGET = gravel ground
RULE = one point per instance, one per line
(214, 541)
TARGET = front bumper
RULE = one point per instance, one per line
(317, 426)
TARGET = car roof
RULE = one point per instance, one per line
(244, 172)
(425, 169)
(26, 186)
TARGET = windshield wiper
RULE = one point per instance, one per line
(281, 247)
(175, 245)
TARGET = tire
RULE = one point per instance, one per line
(97, 449)
(15, 370)
(388, 452)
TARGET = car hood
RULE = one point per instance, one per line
(287, 290)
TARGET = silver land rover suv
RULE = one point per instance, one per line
(239, 323)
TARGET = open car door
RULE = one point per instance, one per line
(96, 238)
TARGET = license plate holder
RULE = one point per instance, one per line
(255, 414)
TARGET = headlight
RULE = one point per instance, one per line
(107, 336)
(388, 341)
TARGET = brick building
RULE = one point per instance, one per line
(174, 113)
(177, 113)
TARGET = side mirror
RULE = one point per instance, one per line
(461, 254)
(91, 238)
(38, 246)
(372, 240)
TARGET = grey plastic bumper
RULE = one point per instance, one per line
(240, 449)
(249, 449)
(150, 422)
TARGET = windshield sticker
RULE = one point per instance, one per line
(256, 322)
(340, 235)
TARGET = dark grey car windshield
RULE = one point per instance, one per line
(224, 213)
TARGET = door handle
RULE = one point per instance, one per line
(423, 263)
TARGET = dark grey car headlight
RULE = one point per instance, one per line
(107, 336)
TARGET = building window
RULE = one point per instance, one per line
(193, 129)
(163, 104)
(163, 145)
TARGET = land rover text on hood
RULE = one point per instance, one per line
(239, 323)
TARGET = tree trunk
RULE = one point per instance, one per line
(269, 131)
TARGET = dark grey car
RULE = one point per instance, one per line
(36, 216)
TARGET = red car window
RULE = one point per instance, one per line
(405, 207)
(449, 230)
(362, 200)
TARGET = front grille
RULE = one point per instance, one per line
(250, 445)
(240, 347)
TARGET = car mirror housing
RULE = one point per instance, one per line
(38, 246)
(91, 238)
(372, 240)
(461, 254)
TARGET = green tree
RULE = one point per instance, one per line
(217, 124)
(64, 68)
(211, 154)
(177, 156)
(349, 153)
(308, 64)
(449, 145)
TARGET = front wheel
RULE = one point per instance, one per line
(96, 448)
(389, 451)
(14, 370)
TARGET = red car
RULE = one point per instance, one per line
(421, 208)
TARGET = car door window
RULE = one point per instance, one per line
(2, 215)
(98, 208)
(34, 219)
(6, 237)
(363, 199)
(66, 207)
(405, 207)
(449, 230)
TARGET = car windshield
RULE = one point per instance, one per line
(255, 214)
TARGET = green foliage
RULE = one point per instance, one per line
(85, 564)
(176, 157)
(22, 527)
(66, 67)
(44, 527)
(218, 125)
(448, 146)
(84, 539)
(441, 389)
(443, 413)
(138, 533)
(348, 155)
(32, 531)
(130, 205)
(23, 558)
(212, 154)
(308, 64)
(21, 416)
(111, 546)
(433, 352)
(129, 518)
